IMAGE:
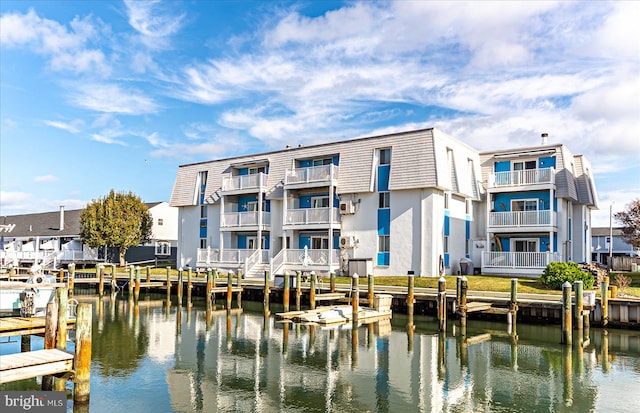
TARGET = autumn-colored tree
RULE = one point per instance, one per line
(119, 220)
(630, 221)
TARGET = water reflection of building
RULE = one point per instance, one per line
(247, 365)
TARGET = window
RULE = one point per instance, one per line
(524, 205)
(384, 244)
(320, 202)
(385, 156)
(384, 201)
(163, 248)
(160, 222)
(319, 243)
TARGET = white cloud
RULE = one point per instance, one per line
(112, 98)
(45, 179)
(67, 50)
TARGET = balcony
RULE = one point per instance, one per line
(244, 220)
(240, 184)
(522, 219)
(312, 216)
(323, 175)
(517, 262)
(522, 178)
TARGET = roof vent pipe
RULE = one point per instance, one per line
(544, 138)
(61, 217)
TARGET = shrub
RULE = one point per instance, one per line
(557, 273)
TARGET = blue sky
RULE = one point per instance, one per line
(97, 95)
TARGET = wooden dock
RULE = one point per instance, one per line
(19, 326)
(21, 366)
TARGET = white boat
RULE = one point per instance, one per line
(39, 289)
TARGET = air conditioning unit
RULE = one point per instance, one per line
(347, 207)
(347, 242)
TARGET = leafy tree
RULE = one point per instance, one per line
(119, 220)
(630, 221)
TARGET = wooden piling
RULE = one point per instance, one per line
(131, 279)
(100, 276)
(229, 289)
(312, 291)
(71, 275)
(82, 360)
(180, 286)
(51, 325)
(463, 306)
(332, 282)
(355, 295)
(604, 302)
(136, 291)
(442, 304)
(566, 314)
(579, 305)
(189, 286)
(370, 290)
(266, 291)
(298, 289)
(239, 285)
(513, 304)
(410, 296)
(168, 280)
(285, 294)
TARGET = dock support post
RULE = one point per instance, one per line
(463, 307)
(579, 306)
(229, 289)
(266, 291)
(82, 360)
(332, 282)
(136, 291)
(312, 290)
(442, 304)
(371, 293)
(71, 275)
(180, 286)
(239, 285)
(131, 280)
(355, 295)
(410, 299)
(50, 327)
(114, 282)
(604, 302)
(100, 276)
(513, 304)
(566, 314)
(189, 286)
(168, 281)
(285, 294)
(298, 289)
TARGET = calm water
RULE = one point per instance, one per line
(155, 358)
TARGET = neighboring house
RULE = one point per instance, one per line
(411, 201)
(52, 239)
(600, 244)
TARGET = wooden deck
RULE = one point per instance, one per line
(21, 366)
(18, 326)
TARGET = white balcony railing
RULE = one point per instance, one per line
(324, 173)
(244, 182)
(526, 177)
(244, 219)
(517, 260)
(522, 218)
(305, 216)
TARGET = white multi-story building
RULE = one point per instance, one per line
(411, 201)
